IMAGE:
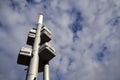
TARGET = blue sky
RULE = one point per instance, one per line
(85, 35)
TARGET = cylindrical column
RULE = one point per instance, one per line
(46, 72)
(34, 62)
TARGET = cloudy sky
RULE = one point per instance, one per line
(85, 35)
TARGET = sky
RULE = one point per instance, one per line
(85, 35)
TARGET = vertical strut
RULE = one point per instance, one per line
(34, 62)
(46, 72)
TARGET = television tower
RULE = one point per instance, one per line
(37, 58)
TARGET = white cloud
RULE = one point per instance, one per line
(75, 60)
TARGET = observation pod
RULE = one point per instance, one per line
(45, 36)
(24, 56)
(46, 52)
